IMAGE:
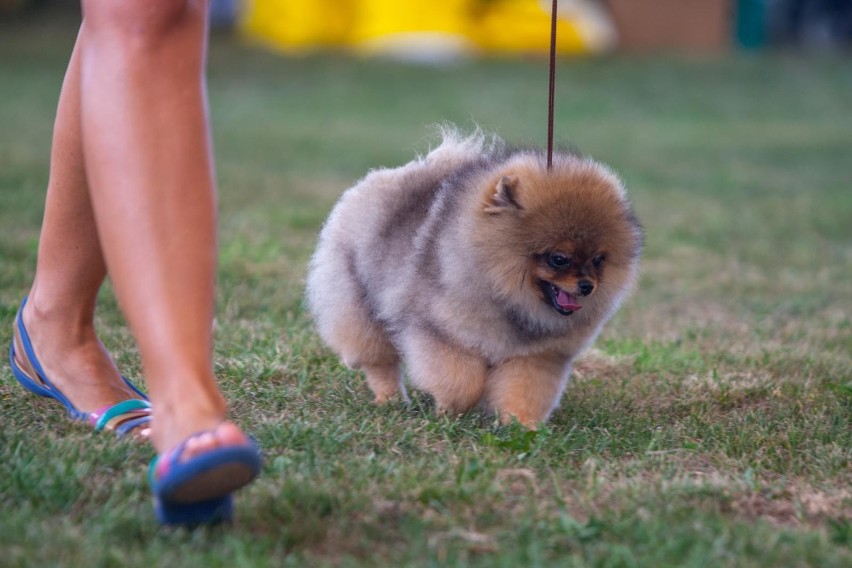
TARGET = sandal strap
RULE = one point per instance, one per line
(129, 425)
(32, 366)
(128, 410)
(161, 464)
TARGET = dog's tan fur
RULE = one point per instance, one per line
(444, 263)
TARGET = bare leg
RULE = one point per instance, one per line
(70, 270)
(132, 126)
(149, 166)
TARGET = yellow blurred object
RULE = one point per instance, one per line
(294, 25)
(524, 26)
(424, 29)
(380, 18)
(429, 28)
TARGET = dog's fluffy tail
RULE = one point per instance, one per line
(457, 146)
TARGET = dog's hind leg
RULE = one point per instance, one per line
(369, 350)
(346, 323)
(365, 346)
(385, 381)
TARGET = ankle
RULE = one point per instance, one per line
(173, 423)
(74, 323)
(186, 395)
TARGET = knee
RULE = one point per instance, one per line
(144, 23)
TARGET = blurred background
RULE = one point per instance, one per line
(714, 423)
(435, 30)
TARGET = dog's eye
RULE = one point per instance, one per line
(556, 260)
(598, 260)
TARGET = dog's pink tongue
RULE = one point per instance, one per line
(566, 301)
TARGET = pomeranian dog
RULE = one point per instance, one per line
(481, 270)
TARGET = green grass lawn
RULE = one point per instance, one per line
(710, 425)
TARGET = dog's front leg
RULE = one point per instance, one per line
(453, 375)
(527, 388)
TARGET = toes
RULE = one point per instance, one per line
(198, 444)
(226, 434)
(229, 434)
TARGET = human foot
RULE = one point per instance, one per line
(72, 355)
(226, 434)
(81, 375)
(193, 482)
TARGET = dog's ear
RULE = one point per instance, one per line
(505, 196)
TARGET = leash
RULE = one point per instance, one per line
(552, 86)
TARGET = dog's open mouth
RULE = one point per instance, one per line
(563, 302)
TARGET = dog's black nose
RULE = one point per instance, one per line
(585, 287)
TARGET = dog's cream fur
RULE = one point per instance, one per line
(448, 265)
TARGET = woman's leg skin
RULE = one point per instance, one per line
(148, 161)
(132, 189)
(59, 314)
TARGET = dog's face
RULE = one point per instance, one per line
(558, 241)
(566, 274)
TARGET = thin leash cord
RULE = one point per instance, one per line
(552, 86)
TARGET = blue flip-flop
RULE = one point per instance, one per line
(198, 490)
(121, 418)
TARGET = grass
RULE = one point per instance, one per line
(709, 427)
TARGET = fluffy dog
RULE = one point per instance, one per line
(480, 269)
